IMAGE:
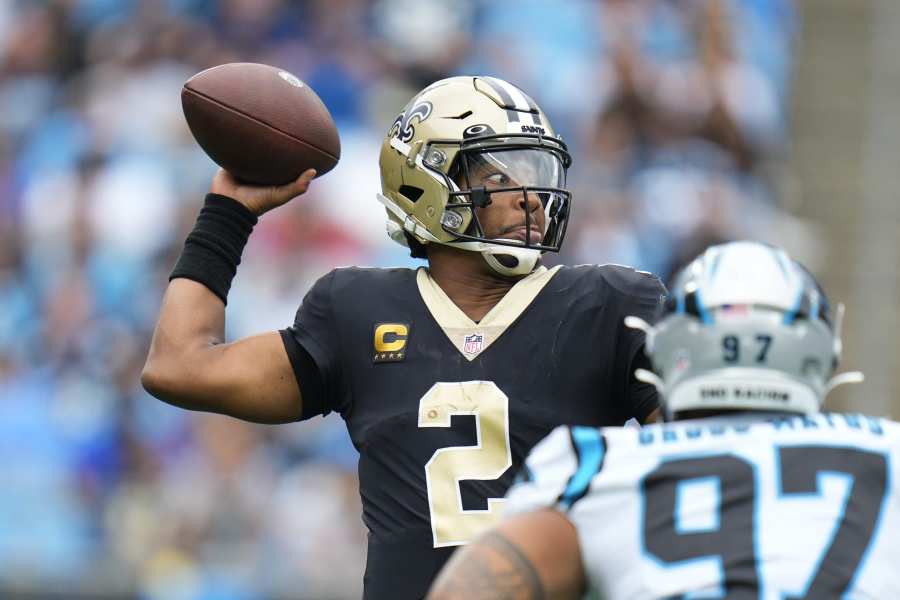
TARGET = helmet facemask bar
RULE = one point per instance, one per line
(538, 165)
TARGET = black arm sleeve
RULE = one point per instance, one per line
(312, 344)
(308, 377)
(643, 397)
(645, 300)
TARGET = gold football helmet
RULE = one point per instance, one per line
(448, 129)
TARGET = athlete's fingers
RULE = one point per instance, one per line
(288, 191)
(301, 184)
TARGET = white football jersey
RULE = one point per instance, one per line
(771, 508)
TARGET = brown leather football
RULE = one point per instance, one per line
(260, 123)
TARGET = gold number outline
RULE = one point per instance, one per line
(451, 525)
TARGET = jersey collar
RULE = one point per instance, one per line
(467, 336)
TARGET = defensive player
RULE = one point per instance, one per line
(750, 492)
(447, 375)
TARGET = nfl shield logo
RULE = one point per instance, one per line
(473, 343)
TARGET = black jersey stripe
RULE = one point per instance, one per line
(511, 113)
(535, 111)
(519, 99)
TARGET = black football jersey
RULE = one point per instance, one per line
(443, 410)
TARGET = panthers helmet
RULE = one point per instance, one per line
(445, 131)
(744, 328)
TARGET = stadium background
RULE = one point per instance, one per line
(691, 121)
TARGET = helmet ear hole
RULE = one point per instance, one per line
(410, 192)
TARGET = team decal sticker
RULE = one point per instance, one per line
(404, 125)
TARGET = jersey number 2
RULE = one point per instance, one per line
(489, 458)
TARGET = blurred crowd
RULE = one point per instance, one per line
(676, 112)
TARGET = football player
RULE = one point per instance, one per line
(447, 375)
(748, 492)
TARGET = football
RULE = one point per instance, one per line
(260, 123)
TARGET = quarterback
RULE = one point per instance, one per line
(446, 376)
(749, 491)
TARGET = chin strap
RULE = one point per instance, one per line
(649, 377)
(838, 325)
(849, 376)
(844, 378)
(526, 259)
(410, 223)
(633, 322)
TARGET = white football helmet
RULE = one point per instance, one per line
(463, 123)
(744, 328)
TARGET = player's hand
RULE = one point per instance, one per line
(260, 198)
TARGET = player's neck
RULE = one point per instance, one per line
(467, 280)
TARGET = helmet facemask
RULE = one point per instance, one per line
(508, 164)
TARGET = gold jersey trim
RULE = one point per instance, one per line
(458, 326)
